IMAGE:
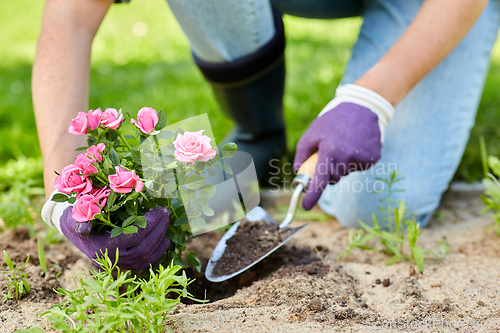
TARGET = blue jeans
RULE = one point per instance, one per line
(427, 136)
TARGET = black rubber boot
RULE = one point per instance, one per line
(250, 91)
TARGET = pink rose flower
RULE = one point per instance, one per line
(94, 118)
(147, 120)
(78, 125)
(101, 194)
(193, 146)
(85, 208)
(83, 162)
(72, 179)
(94, 151)
(124, 181)
(111, 118)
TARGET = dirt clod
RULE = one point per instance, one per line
(386, 282)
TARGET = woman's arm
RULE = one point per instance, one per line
(436, 30)
(61, 77)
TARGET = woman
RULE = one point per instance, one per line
(428, 59)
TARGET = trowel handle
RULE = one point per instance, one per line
(309, 165)
(300, 182)
(306, 171)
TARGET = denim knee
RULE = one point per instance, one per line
(224, 30)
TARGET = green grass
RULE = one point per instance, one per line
(156, 70)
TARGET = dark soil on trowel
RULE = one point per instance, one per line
(285, 261)
(252, 241)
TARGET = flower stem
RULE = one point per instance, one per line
(103, 133)
(124, 140)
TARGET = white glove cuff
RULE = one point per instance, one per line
(351, 93)
(52, 212)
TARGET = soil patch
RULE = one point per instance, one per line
(286, 261)
(19, 245)
(251, 241)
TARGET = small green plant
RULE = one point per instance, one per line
(16, 284)
(21, 180)
(398, 229)
(100, 305)
(491, 197)
(41, 256)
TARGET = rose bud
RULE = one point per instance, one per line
(124, 181)
(112, 118)
(78, 125)
(94, 118)
(147, 119)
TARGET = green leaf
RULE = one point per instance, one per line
(228, 150)
(7, 260)
(484, 155)
(181, 220)
(418, 255)
(162, 120)
(394, 259)
(60, 197)
(172, 236)
(26, 286)
(170, 187)
(114, 157)
(207, 211)
(209, 191)
(168, 149)
(227, 168)
(128, 221)
(131, 229)
(366, 227)
(494, 164)
(165, 134)
(111, 199)
(136, 156)
(193, 182)
(391, 237)
(116, 231)
(41, 256)
(211, 172)
(199, 222)
(141, 222)
(193, 259)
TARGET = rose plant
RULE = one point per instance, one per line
(116, 179)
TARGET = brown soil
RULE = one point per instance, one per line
(251, 242)
(286, 260)
(302, 288)
(60, 258)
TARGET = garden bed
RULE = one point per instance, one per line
(302, 288)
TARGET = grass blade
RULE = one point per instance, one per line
(41, 256)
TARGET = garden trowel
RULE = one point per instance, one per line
(260, 214)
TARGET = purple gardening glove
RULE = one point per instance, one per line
(136, 251)
(347, 137)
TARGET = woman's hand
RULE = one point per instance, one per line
(136, 251)
(347, 135)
